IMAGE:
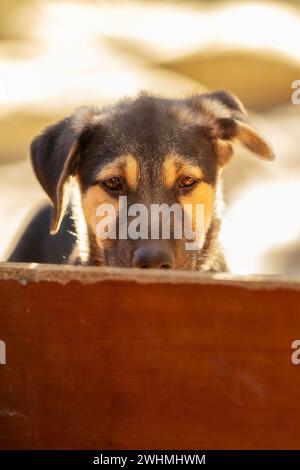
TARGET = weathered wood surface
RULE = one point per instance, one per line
(112, 359)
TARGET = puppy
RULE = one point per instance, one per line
(153, 151)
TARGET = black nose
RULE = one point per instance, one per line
(152, 257)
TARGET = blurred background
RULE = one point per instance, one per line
(58, 55)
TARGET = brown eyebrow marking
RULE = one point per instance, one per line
(174, 165)
(124, 166)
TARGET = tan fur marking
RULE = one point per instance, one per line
(131, 171)
(175, 166)
(124, 166)
(94, 197)
(203, 193)
(169, 170)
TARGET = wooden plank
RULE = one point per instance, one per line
(110, 359)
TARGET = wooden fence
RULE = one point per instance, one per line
(128, 359)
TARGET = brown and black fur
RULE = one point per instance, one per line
(150, 143)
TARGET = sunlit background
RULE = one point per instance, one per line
(58, 55)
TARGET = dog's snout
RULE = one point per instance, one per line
(152, 257)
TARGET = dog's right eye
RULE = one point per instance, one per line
(113, 184)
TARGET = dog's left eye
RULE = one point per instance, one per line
(186, 182)
(113, 184)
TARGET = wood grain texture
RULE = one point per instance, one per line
(119, 363)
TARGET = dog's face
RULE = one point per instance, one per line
(153, 151)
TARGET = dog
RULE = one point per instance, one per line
(151, 150)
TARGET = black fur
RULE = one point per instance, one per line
(148, 128)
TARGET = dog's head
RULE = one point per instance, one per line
(153, 151)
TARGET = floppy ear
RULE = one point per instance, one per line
(55, 156)
(234, 137)
(228, 124)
